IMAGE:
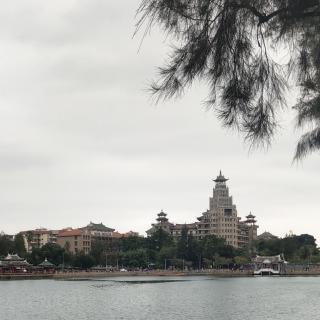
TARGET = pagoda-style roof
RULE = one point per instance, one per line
(162, 217)
(250, 216)
(13, 257)
(46, 264)
(269, 259)
(98, 227)
(162, 214)
(220, 178)
(14, 260)
(251, 219)
(70, 233)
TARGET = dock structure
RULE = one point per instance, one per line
(269, 265)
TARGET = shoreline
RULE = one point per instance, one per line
(163, 273)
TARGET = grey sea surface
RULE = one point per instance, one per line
(263, 298)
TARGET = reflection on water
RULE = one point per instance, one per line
(108, 282)
(132, 280)
(161, 298)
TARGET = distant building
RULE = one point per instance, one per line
(221, 220)
(74, 240)
(190, 227)
(162, 223)
(11, 237)
(247, 231)
(171, 228)
(38, 238)
(266, 236)
(131, 234)
(12, 263)
(7, 236)
(118, 235)
(81, 239)
(269, 265)
(45, 267)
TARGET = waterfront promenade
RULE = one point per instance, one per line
(154, 273)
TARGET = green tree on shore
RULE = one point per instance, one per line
(296, 248)
(6, 245)
(163, 251)
(188, 248)
(83, 261)
(19, 245)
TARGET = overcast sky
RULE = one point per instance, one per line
(82, 141)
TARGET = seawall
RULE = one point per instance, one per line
(156, 273)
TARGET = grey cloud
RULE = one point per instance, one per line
(80, 139)
(11, 159)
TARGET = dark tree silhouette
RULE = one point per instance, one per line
(231, 44)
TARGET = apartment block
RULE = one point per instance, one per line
(81, 239)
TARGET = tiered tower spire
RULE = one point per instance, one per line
(162, 217)
(220, 178)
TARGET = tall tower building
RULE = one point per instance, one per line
(222, 219)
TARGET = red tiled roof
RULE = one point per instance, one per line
(70, 233)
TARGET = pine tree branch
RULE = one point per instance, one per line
(264, 18)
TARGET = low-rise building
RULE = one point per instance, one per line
(81, 239)
(171, 228)
(119, 235)
(98, 232)
(37, 238)
(73, 241)
(269, 265)
(178, 227)
(12, 263)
